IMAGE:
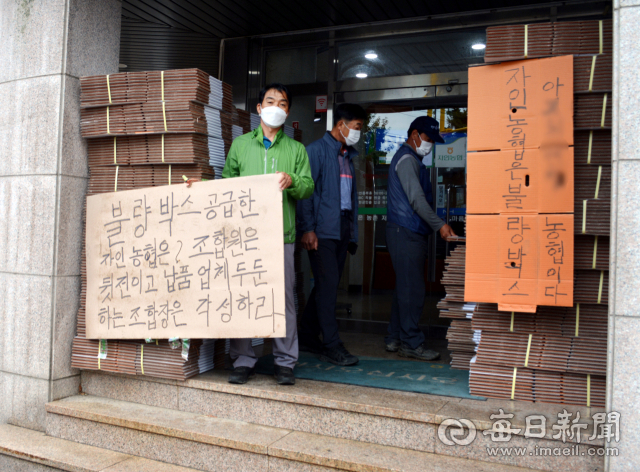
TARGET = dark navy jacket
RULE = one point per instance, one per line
(321, 212)
(399, 210)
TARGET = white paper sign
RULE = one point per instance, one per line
(321, 103)
(453, 154)
(440, 201)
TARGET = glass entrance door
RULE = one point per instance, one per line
(385, 131)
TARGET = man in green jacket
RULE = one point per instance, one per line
(267, 150)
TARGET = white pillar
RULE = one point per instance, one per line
(45, 46)
(623, 368)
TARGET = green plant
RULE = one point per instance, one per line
(374, 130)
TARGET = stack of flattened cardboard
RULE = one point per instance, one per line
(514, 42)
(254, 120)
(172, 360)
(288, 130)
(499, 381)
(172, 110)
(188, 148)
(244, 120)
(592, 120)
(147, 129)
(544, 352)
(593, 182)
(463, 338)
(138, 87)
(221, 96)
(585, 321)
(557, 354)
(144, 118)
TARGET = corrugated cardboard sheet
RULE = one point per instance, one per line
(520, 184)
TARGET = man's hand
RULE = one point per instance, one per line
(190, 181)
(310, 241)
(284, 181)
(446, 232)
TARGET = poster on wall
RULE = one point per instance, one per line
(178, 262)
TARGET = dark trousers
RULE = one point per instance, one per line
(408, 252)
(327, 263)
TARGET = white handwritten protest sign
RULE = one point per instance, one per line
(199, 262)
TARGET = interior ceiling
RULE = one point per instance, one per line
(171, 34)
(424, 54)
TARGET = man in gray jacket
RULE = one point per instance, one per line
(410, 219)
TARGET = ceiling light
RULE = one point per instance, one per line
(371, 55)
(361, 75)
(317, 118)
(254, 72)
(478, 46)
(122, 66)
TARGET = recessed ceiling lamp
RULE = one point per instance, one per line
(478, 46)
(361, 75)
(371, 55)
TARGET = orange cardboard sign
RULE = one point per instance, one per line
(520, 181)
(520, 260)
(521, 104)
(520, 184)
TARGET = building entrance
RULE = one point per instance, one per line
(368, 282)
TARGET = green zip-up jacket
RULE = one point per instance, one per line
(248, 156)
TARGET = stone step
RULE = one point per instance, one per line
(27, 450)
(386, 417)
(216, 444)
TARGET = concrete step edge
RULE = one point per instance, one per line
(37, 447)
(419, 408)
(221, 432)
(308, 448)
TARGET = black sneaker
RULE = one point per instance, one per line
(392, 346)
(241, 375)
(420, 353)
(284, 375)
(338, 356)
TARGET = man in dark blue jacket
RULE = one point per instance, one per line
(328, 221)
(410, 219)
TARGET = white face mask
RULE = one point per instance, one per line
(273, 117)
(353, 137)
(424, 148)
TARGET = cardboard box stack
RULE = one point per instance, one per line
(148, 129)
(463, 338)
(556, 351)
(244, 120)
